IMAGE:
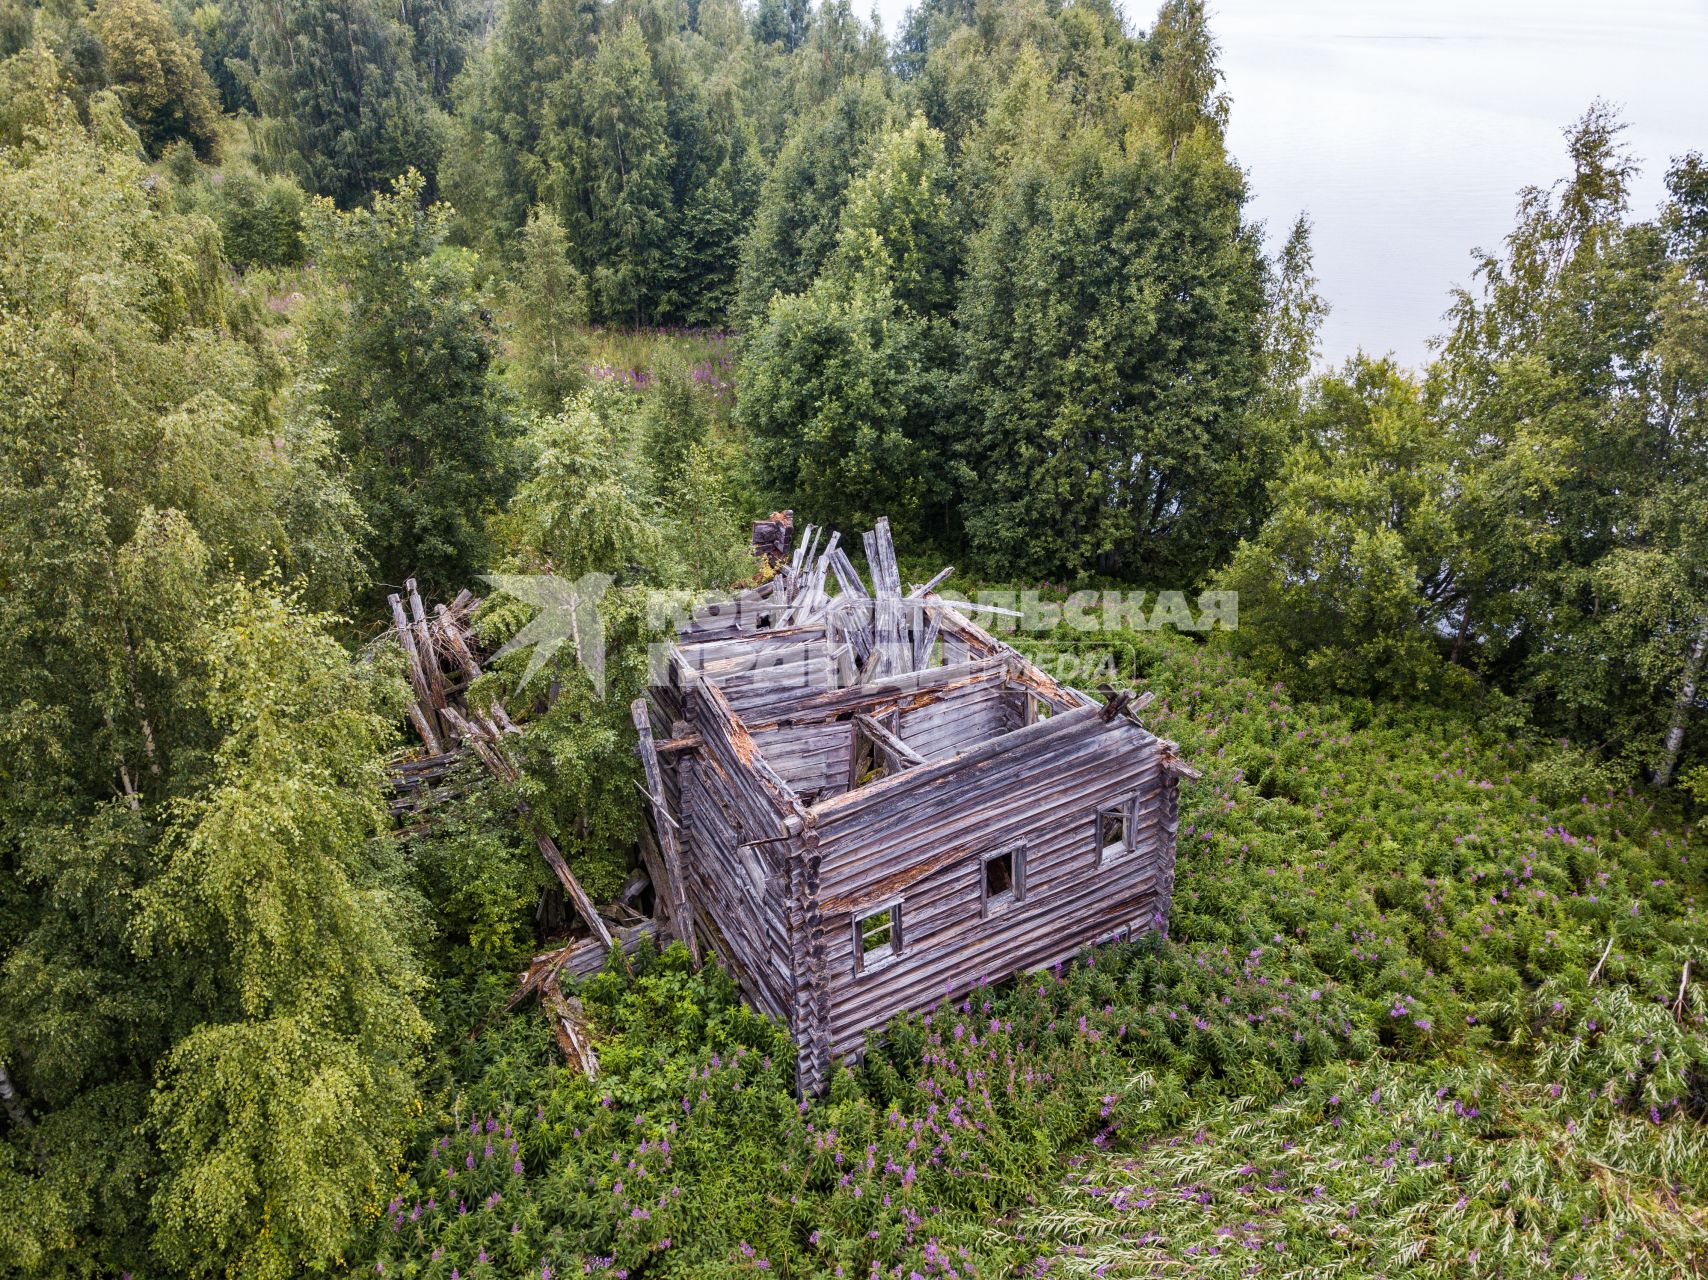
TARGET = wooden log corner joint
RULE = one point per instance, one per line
(867, 802)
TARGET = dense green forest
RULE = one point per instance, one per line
(300, 300)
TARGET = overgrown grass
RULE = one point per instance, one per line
(634, 356)
(1370, 1044)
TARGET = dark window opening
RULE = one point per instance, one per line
(1114, 832)
(1004, 878)
(877, 936)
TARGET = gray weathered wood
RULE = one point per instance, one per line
(901, 754)
(784, 846)
(673, 886)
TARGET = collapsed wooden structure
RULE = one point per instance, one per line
(860, 799)
(869, 802)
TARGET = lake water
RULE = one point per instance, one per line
(1405, 129)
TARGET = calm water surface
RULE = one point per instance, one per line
(1405, 130)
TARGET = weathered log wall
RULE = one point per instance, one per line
(921, 837)
(740, 826)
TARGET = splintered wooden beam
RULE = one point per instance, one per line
(666, 826)
(571, 886)
(905, 754)
(846, 577)
(579, 959)
(569, 1029)
(422, 712)
(492, 754)
(1114, 701)
(937, 580)
(923, 644)
(652, 860)
(424, 650)
(893, 652)
(452, 630)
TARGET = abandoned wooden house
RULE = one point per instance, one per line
(860, 799)
(865, 802)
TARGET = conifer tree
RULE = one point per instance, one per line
(405, 355)
(344, 107)
(628, 160)
(548, 309)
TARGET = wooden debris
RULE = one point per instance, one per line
(667, 829)
(771, 536)
(569, 1028)
(440, 720)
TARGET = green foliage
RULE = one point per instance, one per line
(711, 550)
(1379, 957)
(899, 224)
(580, 512)
(405, 353)
(1109, 358)
(1566, 388)
(260, 220)
(799, 216)
(158, 74)
(1350, 581)
(1387, 1169)
(480, 877)
(548, 308)
(632, 128)
(844, 397)
(281, 1108)
(342, 104)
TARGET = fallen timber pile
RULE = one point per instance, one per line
(440, 653)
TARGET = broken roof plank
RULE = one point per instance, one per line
(893, 746)
(667, 842)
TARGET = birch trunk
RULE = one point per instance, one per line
(13, 1103)
(1681, 707)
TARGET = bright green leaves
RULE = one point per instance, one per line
(548, 307)
(280, 1111)
(159, 75)
(1356, 567)
(899, 226)
(579, 512)
(796, 225)
(277, 1133)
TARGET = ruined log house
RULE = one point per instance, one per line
(865, 802)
